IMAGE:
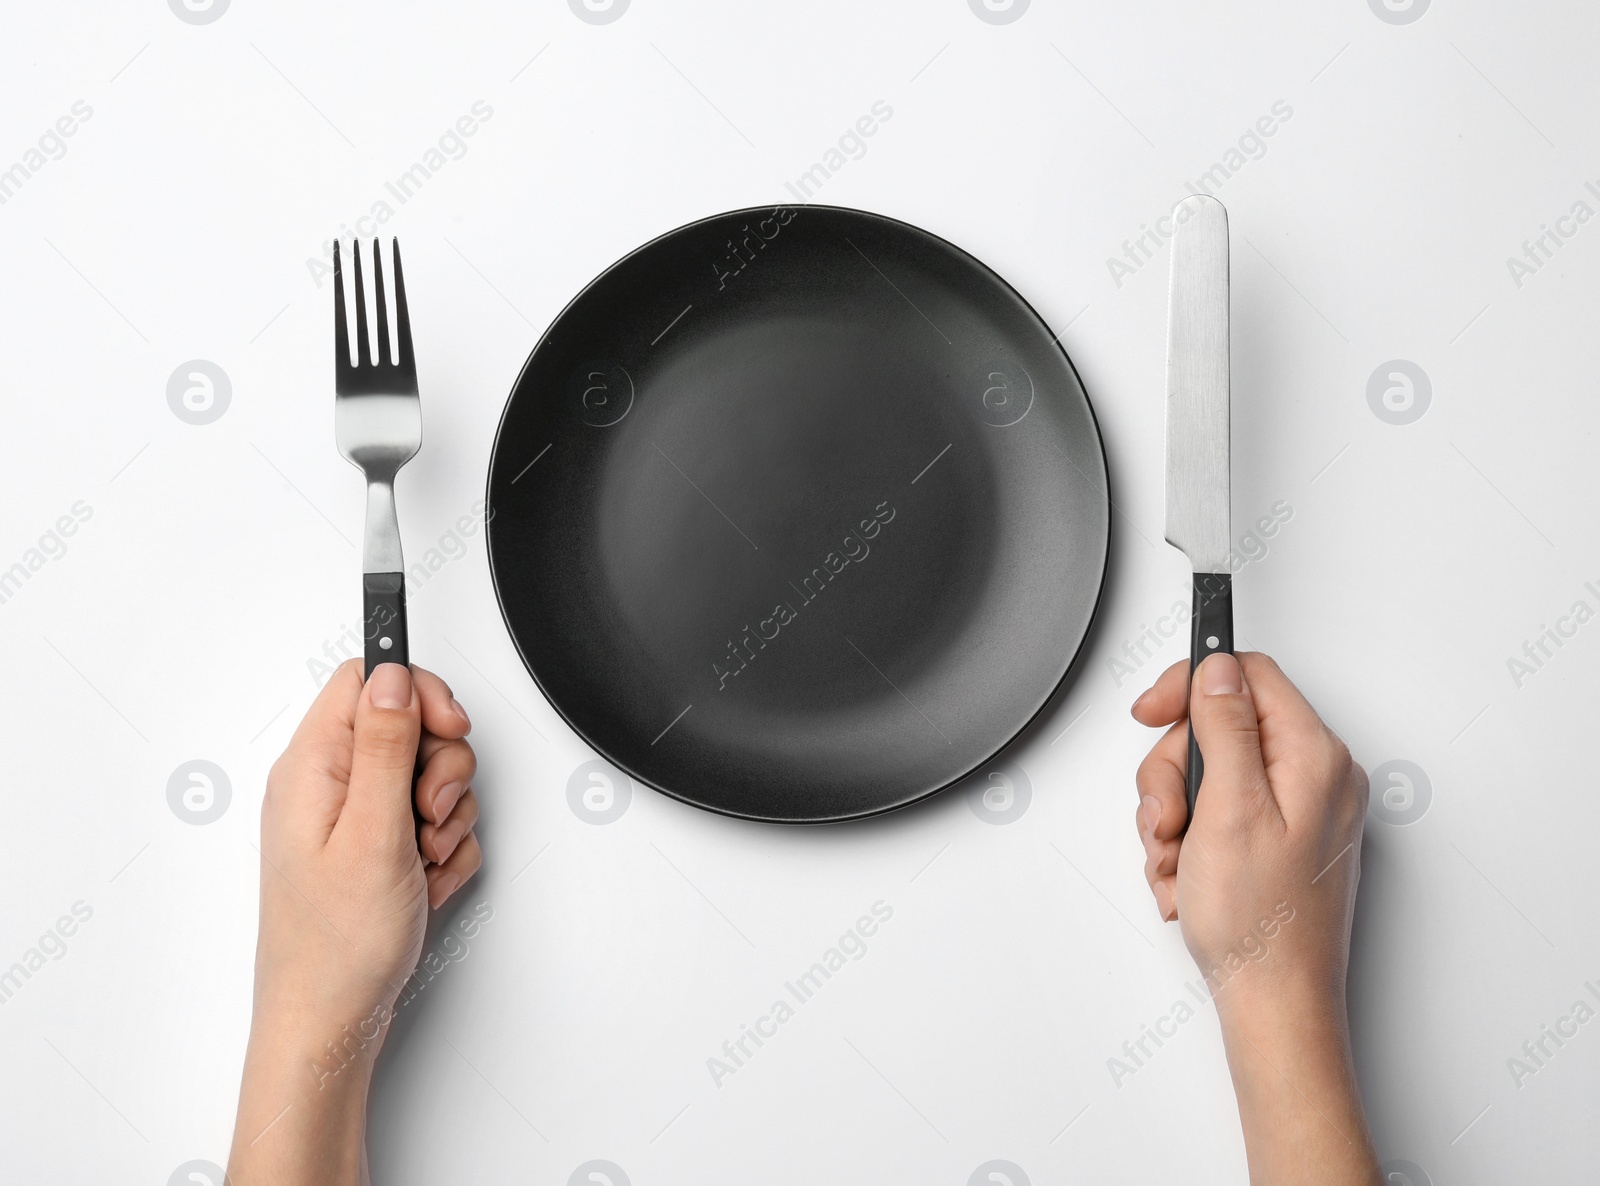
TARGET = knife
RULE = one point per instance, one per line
(1197, 431)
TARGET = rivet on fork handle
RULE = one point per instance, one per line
(384, 619)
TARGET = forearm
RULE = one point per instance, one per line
(1289, 1054)
(302, 1106)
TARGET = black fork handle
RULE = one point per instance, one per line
(383, 620)
(383, 623)
(1211, 633)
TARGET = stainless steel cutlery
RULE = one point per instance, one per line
(1197, 430)
(377, 418)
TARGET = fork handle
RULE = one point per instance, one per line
(384, 619)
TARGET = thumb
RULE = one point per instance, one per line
(383, 763)
(1223, 716)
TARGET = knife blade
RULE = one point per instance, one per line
(1197, 496)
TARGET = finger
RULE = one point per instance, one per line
(1360, 787)
(438, 841)
(1223, 715)
(430, 745)
(442, 714)
(306, 786)
(1163, 861)
(1161, 786)
(1277, 697)
(1293, 735)
(1160, 856)
(1167, 699)
(445, 879)
(1165, 890)
(1280, 706)
(384, 759)
(446, 772)
(321, 741)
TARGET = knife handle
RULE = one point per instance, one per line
(1211, 632)
(383, 619)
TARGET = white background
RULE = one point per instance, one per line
(219, 559)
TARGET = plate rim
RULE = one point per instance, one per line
(1015, 734)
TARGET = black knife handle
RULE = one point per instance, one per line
(383, 619)
(1211, 633)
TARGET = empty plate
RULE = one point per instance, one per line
(798, 514)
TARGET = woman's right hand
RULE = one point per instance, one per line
(1273, 854)
(1263, 882)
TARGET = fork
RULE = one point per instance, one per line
(377, 422)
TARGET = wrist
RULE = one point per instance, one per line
(302, 1104)
(309, 997)
(318, 1044)
(1269, 1007)
(1288, 1044)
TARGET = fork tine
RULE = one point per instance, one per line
(406, 360)
(341, 329)
(384, 358)
(363, 349)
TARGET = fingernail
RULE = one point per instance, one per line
(1164, 903)
(443, 887)
(1220, 676)
(445, 801)
(1143, 696)
(1150, 811)
(444, 842)
(391, 686)
(460, 712)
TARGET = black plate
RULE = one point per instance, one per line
(798, 514)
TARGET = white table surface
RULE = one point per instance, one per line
(209, 563)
